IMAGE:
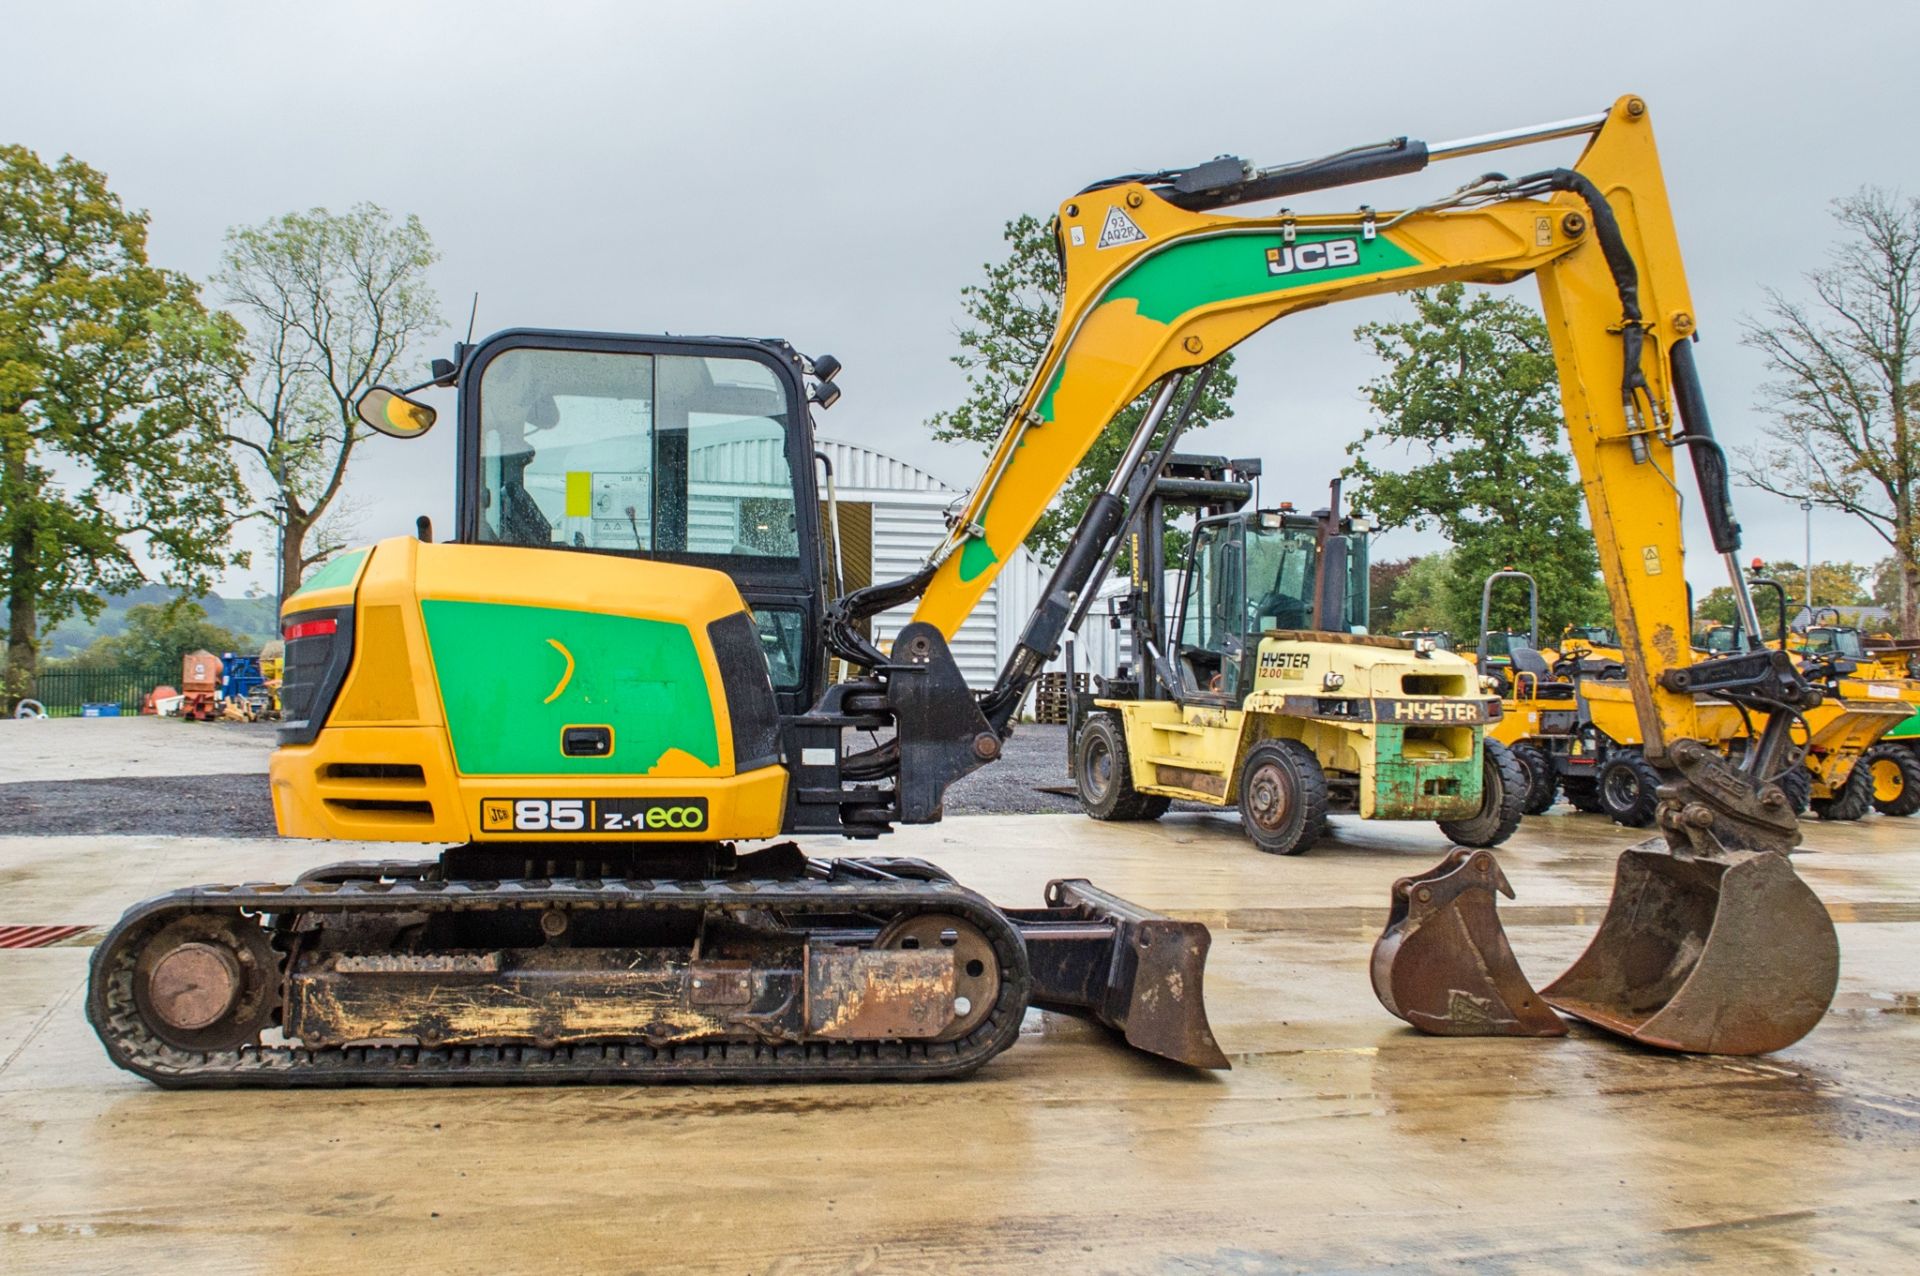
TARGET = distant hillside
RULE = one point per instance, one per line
(250, 616)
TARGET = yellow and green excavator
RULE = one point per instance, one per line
(606, 693)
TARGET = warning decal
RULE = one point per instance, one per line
(1119, 230)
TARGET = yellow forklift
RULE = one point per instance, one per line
(1264, 691)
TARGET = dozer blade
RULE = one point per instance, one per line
(1101, 957)
(1711, 944)
(1443, 963)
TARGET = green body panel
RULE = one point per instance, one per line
(338, 571)
(1168, 285)
(1398, 782)
(1200, 272)
(499, 667)
(1907, 730)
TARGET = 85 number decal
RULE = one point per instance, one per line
(593, 815)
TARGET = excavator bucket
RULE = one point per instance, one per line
(1712, 944)
(1443, 963)
(1139, 973)
(1721, 954)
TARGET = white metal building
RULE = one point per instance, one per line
(892, 515)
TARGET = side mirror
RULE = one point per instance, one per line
(393, 414)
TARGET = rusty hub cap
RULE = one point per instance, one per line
(1268, 797)
(976, 969)
(193, 986)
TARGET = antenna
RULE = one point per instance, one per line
(471, 315)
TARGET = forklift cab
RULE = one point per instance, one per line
(1252, 573)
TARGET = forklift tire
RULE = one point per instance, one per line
(1104, 778)
(1797, 784)
(1855, 798)
(1283, 797)
(1503, 795)
(1540, 782)
(1896, 778)
(1626, 783)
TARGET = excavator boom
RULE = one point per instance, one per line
(1158, 283)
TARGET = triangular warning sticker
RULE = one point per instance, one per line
(1119, 230)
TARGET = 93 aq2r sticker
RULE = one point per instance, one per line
(593, 815)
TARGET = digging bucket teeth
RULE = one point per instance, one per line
(1711, 944)
(1443, 963)
(1141, 974)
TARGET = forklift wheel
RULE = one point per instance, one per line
(1503, 796)
(1104, 777)
(1283, 797)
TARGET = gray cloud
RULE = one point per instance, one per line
(835, 173)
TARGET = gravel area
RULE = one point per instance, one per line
(230, 797)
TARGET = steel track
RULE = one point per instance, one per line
(132, 1045)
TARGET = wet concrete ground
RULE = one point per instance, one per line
(1341, 1141)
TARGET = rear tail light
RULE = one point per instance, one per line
(311, 628)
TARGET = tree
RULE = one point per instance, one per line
(1420, 597)
(332, 304)
(1012, 316)
(1383, 577)
(1844, 393)
(111, 377)
(159, 633)
(1471, 386)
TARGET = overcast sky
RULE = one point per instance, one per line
(833, 174)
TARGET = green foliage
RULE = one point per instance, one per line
(332, 302)
(112, 392)
(1011, 319)
(1888, 584)
(158, 633)
(1420, 599)
(1470, 391)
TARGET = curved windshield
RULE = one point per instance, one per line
(662, 455)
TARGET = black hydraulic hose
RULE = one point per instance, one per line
(846, 613)
(1620, 263)
(1709, 459)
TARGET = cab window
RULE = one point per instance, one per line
(660, 455)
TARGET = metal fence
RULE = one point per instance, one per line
(64, 691)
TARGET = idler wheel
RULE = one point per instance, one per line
(194, 986)
(207, 983)
(976, 970)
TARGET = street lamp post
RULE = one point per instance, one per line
(1806, 510)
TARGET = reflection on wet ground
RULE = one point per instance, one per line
(1341, 1141)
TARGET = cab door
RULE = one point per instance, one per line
(696, 451)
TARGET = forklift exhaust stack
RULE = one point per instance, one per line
(1100, 957)
(1443, 963)
(1728, 953)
